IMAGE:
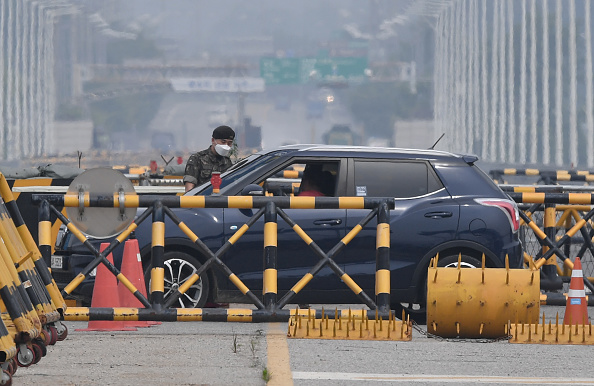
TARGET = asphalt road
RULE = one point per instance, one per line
(209, 353)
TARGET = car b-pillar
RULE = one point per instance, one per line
(269, 288)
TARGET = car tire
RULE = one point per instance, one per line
(418, 311)
(452, 261)
(179, 266)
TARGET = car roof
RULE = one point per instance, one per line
(373, 151)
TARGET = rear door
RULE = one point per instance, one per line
(425, 215)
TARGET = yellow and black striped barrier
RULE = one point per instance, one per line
(270, 308)
(553, 198)
(293, 174)
(157, 253)
(30, 303)
(225, 315)
(547, 177)
(551, 245)
(560, 299)
(269, 289)
(22, 191)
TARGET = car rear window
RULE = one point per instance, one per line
(464, 180)
(400, 179)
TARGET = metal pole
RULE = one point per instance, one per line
(157, 257)
(270, 285)
(382, 258)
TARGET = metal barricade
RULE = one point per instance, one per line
(30, 303)
(270, 307)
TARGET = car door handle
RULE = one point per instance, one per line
(438, 214)
(332, 222)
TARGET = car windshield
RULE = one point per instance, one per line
(237, 172)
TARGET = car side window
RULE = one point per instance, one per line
(399, 179)
(284, 182)
(288, 181)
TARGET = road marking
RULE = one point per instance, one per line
(278, 366)
(408, 378)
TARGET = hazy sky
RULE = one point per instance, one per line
(201, 25)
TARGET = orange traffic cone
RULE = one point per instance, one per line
(576, 309)
(105, 294)
(132, 269)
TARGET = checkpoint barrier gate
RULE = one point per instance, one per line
(270, 307)
(30, 303)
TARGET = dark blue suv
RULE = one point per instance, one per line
(443, 204)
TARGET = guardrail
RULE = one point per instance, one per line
(270, 308)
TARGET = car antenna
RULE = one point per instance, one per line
(438, 139)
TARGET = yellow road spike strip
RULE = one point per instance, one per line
(578, 334)
(356, 328)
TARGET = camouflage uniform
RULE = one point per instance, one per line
(200, 166)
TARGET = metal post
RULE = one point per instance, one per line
(269, 289)
(157, 256)
(551, 280)
(382, 258)
(45, 232)
(241, 118)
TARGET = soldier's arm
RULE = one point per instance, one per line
(193, 168)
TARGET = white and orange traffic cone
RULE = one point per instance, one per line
(576, 309)
(132, 269)
(105, 294)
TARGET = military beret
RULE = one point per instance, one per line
(223, 132)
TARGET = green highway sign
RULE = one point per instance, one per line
(280, 70)
(338, 67)
(299, 70)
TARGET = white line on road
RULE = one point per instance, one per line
(475, 379)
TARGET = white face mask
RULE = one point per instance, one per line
(223, 150)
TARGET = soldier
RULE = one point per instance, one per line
(200, 165)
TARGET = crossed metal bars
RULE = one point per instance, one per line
(270, 308)
(550, 198)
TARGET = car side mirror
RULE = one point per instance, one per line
(252, 190)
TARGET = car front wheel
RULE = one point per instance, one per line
(179, 267)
